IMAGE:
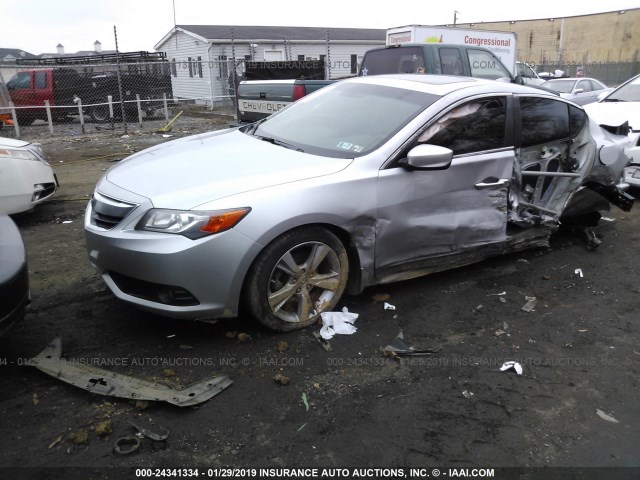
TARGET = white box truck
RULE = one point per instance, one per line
(503, 45)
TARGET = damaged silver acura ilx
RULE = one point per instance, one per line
(368, 181)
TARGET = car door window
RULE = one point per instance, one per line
(485, 65)
(585, 85)
(472, 127)
(41, 79)
(553, 156)
(543, 120)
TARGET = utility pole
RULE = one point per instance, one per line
(455, 17)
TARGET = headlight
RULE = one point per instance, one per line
(22, 154)
(192, 224)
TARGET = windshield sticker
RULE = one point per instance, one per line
(350, 146)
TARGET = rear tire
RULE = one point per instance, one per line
(296, 277)
(99, 113)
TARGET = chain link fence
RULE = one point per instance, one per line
(157, 96)
(146, 96)
(611, 74)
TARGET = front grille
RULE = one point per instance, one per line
(108, 212)
(154, 292)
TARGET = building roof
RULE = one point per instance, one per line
(244, 33)
(80, 53)
(250, 33)
(13, 54)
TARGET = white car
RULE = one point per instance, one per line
(623, 104)
(579, 90)
(26, 178)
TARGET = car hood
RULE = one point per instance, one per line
(615, 113)
(12, 143)
(195, 170)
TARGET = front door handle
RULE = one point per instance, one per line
(491, 183)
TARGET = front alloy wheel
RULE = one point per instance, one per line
(298, 276)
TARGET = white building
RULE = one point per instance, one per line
(202, 56)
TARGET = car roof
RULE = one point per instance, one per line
(572, 78)
(445, 84)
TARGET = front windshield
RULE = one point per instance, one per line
(19, 80)
(627, 93)
(345, 120)
(560, 86)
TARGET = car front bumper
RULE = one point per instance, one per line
(24, 184)
(169, 274)
(14, 298)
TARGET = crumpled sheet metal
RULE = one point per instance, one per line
(105, 382)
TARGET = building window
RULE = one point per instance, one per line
(200, 67)
(354, 63)
(190, 67)
(301, 58)
(174, 68)
(222, 66)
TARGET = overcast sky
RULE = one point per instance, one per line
(37, 26)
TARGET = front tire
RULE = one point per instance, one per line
(298, 276)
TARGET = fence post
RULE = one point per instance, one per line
(139, 109)
(48, 107)
(14, 116)
(81, 114)
(166, 109)
(110, 100)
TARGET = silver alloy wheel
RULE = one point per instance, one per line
(304, 281)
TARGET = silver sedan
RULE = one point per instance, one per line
(367, 181)
(579, 90)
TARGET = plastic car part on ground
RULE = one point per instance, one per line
(104, 382)
(398, 348)
(160, 436)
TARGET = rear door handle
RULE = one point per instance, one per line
(490, 183)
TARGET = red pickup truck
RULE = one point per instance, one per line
(31, 88)
(61, 86)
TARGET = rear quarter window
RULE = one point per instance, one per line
(393, 60)
(275, 91)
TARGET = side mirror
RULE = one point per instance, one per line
(519, 80)
(428, 157)
(579, 90)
